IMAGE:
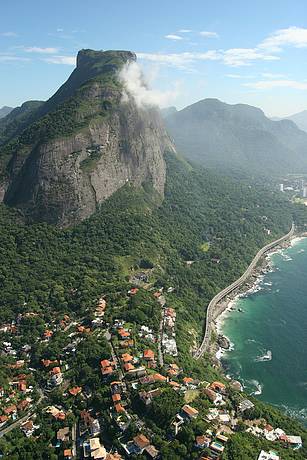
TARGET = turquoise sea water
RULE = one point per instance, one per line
(273, 322)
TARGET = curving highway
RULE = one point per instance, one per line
(213, 312)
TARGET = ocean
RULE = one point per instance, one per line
(269, 335)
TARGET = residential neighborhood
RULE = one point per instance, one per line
(106, 412)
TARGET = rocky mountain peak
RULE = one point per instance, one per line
(86, 142)
(88, 58)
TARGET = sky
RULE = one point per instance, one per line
(235, 50)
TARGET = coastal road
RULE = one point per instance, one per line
(213, 312)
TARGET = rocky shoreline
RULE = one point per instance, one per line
(222, 343)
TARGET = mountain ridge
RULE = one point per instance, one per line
(5, 110)
(239, 136)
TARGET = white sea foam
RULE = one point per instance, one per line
(219, 353)
(258, 386)
(265, 357)
(295, 412)
(296, 240)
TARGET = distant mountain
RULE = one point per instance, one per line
(300, 119)
(17, 120)
(238, 137)
(5, 110)
(60, 159)
(167, 111)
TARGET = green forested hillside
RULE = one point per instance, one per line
(42, 265)
(51, 271)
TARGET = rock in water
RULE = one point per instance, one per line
(223, 342)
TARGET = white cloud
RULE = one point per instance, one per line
(179, 60)
(173, 37)
(60, 30)
(207, 34)
(66, 60)
(37, 49)
(8, 34)
(11, 58)
(238, 76)
(237, 57)
(184, 31)
(273, 75)
(133, 79)
(292, 36)
(270, 84)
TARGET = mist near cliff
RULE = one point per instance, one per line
(136, 86)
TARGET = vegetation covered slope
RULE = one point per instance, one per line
(17, 120)
(203, 216)
(5, 110)
(238, 137)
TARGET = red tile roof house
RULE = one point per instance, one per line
(188, 381)
(218, 387)
(116, 397)
(48, 334)
(129, 367)
(202, 441)
(3, 420)
(126, 358)
(107, 367)
(119, 408)
(10, 410)
(159, 378)
(149, 355)
(123, 333)
(173, 370)
(67, 454)
(23, 405)
(189, 412)
(56, 370)
(75, 391)
(28, 428)
(141, 442)
(48, 362)
(22, 386)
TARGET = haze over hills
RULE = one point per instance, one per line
(17, 120)
(60, 159)
(238, 137)
(300, 119)
(5, 110)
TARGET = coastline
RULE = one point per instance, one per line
(217, 305)
(251, 286)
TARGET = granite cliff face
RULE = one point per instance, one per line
(86, 144)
